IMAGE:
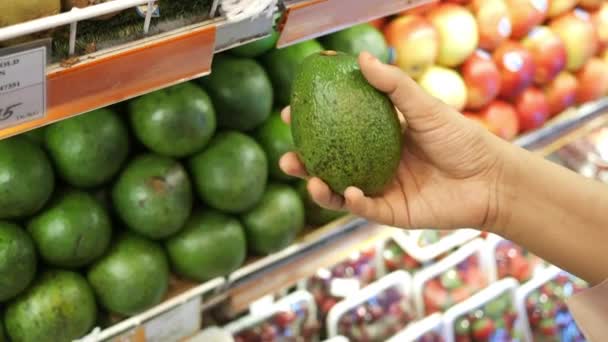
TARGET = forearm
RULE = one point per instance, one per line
(555, 213)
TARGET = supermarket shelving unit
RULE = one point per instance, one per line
(158, 61)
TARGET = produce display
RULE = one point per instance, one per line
(511, 260)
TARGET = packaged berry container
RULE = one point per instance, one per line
(588, 155)
(488, 316)
(429, 329)
(375, 313)
(416, 249)
(545, 316)
(505, 259)
(451, 280)
(329, 286)
(291, 319)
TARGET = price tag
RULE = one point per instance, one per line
(22, 87)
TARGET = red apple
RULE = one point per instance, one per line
(501, 119)
(525, 14)
(592, 80)
(548, 51)
(493, 22)
(532, 109)
(460, 2)
(446, 85)
(600, 21)
(590, 5)
(378, 23)
(561, 93)
(559, 7)
(415, 41)
(457, 33)
(516, 66)
(482, 79)
(579, 37)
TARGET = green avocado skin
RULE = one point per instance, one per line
(345, 131)
(26, 178)
(274, 136)
(356, 39)
(211, 245)
(132, 277)
(231, 173)
(90, 149)
(153, 196)
(258, 47)
(3, 337)
(241, 92)
(73, 231)
(282, 65)
(17, 260)
(275, 221)
(176, 122)
(59, 307)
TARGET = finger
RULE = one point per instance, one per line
(291, 165)
(408, 97)
(374, 209)
(286, 114)
(323, 196)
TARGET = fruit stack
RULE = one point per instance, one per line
(508, 64)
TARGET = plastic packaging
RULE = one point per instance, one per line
(451, 280)
(429, 329)
(544, 314)
(489, 315)
(504, 259)
(588, 155)
(375, 313)
(329, 286)
(292, 316)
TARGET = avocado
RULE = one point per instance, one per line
(59, 307)
(356, 39)
(132, 277)
(73, 231)
(211, 245)
(315, 214)
(27, 179)
(36, 135)
(275, 221)
(282, 65)
(17, 260)
(3, 337)
(153, 196)
(88, 150)
(174, 122)
(258, 47)
(347, 136)
(241, 92)
(274, 136)
(230, 175)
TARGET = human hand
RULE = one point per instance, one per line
(451, 169)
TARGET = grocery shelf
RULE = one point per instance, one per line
(307, 19)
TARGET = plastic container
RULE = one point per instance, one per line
(504, 259)
(375, 313)
(588, 155)
(429, 329)
(489, 315)
(544, 314)
(290, 317)
(451, 280)
(329, 286)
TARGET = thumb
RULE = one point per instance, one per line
(418, 108)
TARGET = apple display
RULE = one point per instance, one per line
(516, 66)
(592, 80)
(532, 109)
(561, 92)
(501, 119)
(548, 51)
(421, 9)
(579, 37)
(446, 85)
(525, 14)
(493, 22)
(559, 7)
(590, 5)
(600, 21)
(415, 41)
(482, 79)
(458, 34)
